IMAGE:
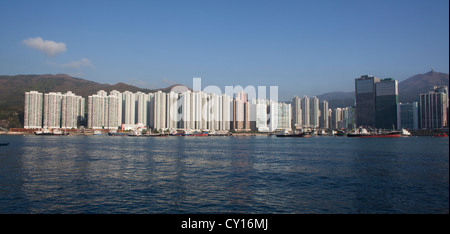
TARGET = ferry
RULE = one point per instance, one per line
(362, 132)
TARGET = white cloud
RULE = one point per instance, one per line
(84, 62)
(51, 48)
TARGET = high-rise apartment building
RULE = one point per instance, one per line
(284, 115)
(71, 106)
(408, 115)
(172, 110)
(306, 112)
(259, 108)
(120, 106)
(129, 107)
(52, 110)
(113, 114)
(324, 116)
(226, 113)
(279, 117)
(158, 115)
(433, 108)
(142, 100)
(33, 110)
(386, 104)
(336, 118)
(365, 95)
(97, 110)
(296, 113)
(314, 113)
(241, 109)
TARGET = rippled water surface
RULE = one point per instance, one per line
(101, 174)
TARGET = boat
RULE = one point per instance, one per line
(303, 134)
(443, 134)
(4, 144)
(405, 132)
(196, 134)
(362, 132)
(43, 132)
(57, 132)
(156, 135)
(46, 132)
(98, 133)
(117, 134)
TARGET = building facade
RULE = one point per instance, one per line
(314, 113)
(52, 110)
(386, 104)
(324, 115)
(71, 106)
(305, 105)
(433, 107)
(33, 110)
(365, 95)
(408, 115)
(296, 113)
(241, 112)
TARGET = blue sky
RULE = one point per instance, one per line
(304, 47)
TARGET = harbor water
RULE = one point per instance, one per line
(254, 174)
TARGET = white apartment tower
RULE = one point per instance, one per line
(97, 110)
(70, 106)
(33, 110)
(129, 107)
(226, 112)
(120, 107)
(172, 110)
(296, 113)
(52, 110)
(305, 103)
(260, 111)
(324, 116)
(113, 113)
(314, 113)
(142, 100)
(284, 115)
(158, 116)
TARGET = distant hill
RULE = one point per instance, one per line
(13, 88)
(338, 99)
(410, 88)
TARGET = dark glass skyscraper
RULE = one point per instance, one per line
(365, 95)
(386, 104)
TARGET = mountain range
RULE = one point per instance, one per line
(408, 89)
(13, 88)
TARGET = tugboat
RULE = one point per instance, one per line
(362, 132)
